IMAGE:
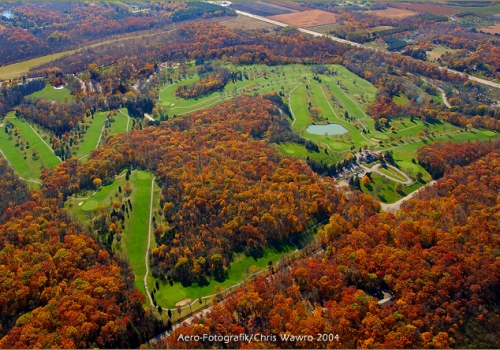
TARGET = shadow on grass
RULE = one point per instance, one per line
(382, 198)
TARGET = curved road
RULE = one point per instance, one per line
(374, 169)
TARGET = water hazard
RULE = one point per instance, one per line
(329, 129)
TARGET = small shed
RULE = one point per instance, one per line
(387, 301)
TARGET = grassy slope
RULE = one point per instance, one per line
(61, 95)
(16, 70)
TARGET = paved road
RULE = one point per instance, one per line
(315, 34)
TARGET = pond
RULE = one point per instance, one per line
(330, 129)
(7, 14)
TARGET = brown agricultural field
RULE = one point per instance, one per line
(393, 13)
(435, 9)
(291, 5)
(306, 19)
(262, 8)
(491, 29)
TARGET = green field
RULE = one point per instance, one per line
(29, 168)
(50, 93)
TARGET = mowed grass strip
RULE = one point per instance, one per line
(27, 168)
(16, 70)
(92, 135)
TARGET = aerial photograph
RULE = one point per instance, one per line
(250, 174)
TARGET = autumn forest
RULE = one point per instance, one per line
(201, 175)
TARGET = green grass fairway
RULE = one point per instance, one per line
(92, 136)
(168, 295)
(120, 123)
(261, 79)
(50, 93)
(134, 238)
(28, 168)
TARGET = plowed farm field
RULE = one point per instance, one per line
(262, 8)
(291, 5)
(435, 9)
(492, 29)
(393, 13)
(305, 19)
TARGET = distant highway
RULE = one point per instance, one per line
(347, 42)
